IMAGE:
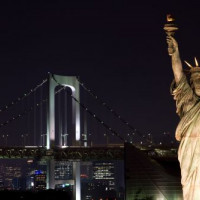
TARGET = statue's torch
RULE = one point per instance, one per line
(170, 28)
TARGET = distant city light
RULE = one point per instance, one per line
(38, 172)
(65, 185)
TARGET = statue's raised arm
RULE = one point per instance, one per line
(173, 51)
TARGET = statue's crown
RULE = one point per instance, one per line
(195, 68)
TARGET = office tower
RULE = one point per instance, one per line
(39, 180)
(103, 182)
(63, 170)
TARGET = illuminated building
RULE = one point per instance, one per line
(86, 180)
(39, 180)
(30, 182)
(30, 174)
(101, 184)
(63, 170)
(103, 174)
(64, 176)
(12, 175)
(100, 180)
(11, 172)
(86, 170)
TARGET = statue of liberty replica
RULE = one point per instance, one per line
(186, 92)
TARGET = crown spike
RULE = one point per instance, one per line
(188, 64)
(196, 62)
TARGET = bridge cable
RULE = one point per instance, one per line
(25, 112)
(109, 108)
(4, 108)
(98, 119)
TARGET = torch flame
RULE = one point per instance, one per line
(170, 18)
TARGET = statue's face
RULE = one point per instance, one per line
(196, 83)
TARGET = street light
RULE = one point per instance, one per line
(43, 139)
(23, 142)
(150, 138)
(23, 137)
(65, 139)
(6, 138)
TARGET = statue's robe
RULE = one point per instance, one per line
(188, 133)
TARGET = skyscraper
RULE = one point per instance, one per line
(63, 170)
(101, 184)
(104, 174)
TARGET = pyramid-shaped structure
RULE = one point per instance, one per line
(147, 179)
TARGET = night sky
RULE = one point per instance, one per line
(118, 48)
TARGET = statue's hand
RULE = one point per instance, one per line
(172, 45)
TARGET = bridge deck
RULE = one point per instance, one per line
(115, 152)
(69, 153)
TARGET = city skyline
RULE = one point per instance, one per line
(30, 175)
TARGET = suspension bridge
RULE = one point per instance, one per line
(61, 119)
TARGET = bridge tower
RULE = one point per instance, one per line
(73, 84)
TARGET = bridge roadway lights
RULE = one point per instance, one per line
(80, 153)
(63, 154)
